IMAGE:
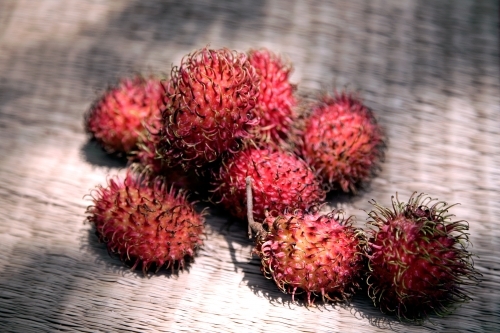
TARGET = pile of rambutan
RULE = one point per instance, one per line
(228, 128)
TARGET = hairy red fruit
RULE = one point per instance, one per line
(281, 179)
(418, 260)
(342, 141)
(116, 120)
(145, 223)
(276, 100)
(211, 109)
(319, 254)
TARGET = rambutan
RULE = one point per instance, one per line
(418, 258)
(282, 180)
(276, 100)
(117, 119)
(211, 109)
(319, 254)
(342, 141)
(145, 222)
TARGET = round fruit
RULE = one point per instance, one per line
(281, 180)
(116, 120)
(342, 141)
(418, 259)
(305, 251)
(146, 223)
(211, 109)
(311, 252)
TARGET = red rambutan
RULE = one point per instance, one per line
(342, 141)
(145, 223)
(117, 119)
(319, 254)
(211, 109)
(282, 180)
(418, 258)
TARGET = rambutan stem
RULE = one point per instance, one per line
(252, 225)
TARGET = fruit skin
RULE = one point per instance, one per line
(116, 120)
(212, 108)
(341, 139)
(146, 160)
(418, 259)
(281, 180)
(145, 157)
(276, 100)
(146, 223)
(319, 254)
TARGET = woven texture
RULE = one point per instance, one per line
(428, 69)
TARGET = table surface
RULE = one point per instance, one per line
(428, 69)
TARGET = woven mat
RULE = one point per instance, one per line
(429, 70)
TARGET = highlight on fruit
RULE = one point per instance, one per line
(309, 252)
